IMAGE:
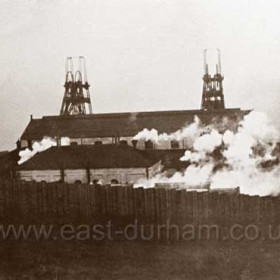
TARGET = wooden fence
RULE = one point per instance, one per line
(63, 203)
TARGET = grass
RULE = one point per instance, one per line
(139, 260)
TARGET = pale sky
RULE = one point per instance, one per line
(142, 55)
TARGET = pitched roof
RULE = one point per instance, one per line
(94, 156)
(120, 124)
(170, 159)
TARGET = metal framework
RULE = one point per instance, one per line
(76, 99)
(212, 94)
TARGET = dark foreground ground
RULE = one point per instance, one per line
(132, 260)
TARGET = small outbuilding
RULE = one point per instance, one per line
(108, 164)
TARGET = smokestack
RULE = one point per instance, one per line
(58, 141)
(18, 143)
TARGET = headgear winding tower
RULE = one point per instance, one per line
(212, 94)
(76, 100)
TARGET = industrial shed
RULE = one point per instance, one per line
(113, 128)
(110, 164)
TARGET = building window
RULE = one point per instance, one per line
(97, 182)
(175, 144)
(114, 182)
(134, 143)
(78, 182)
(149, 145)
(123, 142)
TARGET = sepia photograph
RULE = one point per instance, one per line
(139, 139)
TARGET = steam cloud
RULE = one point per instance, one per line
(248, 158)
(41, 146)
(188, 133)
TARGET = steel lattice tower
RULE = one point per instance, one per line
(212, 93)
(76, 99)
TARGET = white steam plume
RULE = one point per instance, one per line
(249, 154)
(189, 133)
(41, 146)
(247, 158)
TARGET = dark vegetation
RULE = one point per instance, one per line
(8, 163)
(134, 260)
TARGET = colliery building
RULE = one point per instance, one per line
(122, 127)
(103, 146)
(77, 122)
(106, 164)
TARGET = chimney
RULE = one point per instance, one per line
(31, 117)
(18, 144)
(29, 144)
(58, 141)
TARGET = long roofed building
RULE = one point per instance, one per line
(91, 163)
(112, 128)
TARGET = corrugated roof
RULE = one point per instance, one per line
(95, 156)
(120, 124)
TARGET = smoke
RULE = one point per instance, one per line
(251, 157)
(194, 176)
(208, 142)
(247, 158)
(189, 133)
(41, 146)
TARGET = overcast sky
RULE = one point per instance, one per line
(142, 55)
